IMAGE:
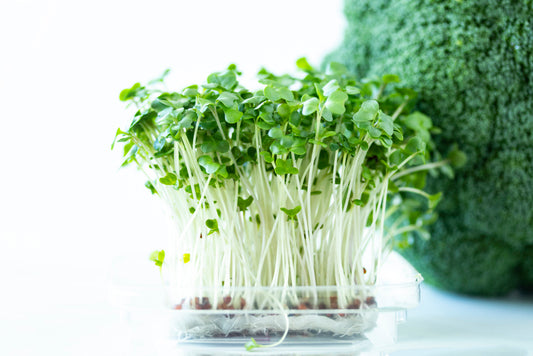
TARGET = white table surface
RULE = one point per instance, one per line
(448, 324)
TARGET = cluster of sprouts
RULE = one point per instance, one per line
(287, 186)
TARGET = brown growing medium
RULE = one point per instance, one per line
(203, 303)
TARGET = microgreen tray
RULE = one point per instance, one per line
(311, 318)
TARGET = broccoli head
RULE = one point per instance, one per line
(472, 64)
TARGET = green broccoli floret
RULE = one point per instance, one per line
(472, 63)
(527, 269)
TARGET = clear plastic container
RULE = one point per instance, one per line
(302, 320)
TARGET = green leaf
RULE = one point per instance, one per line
(128, 147)
(456, 157)
(370, 218)
(374, 132)
(267, 114)
(169, 179)
(263, 125)
(147, 117)
(320, 143)
(358, 202)
(390, 78)
(284, 110)
(363, 200)
(131, 93)
(159, 143)
(286, 94)
(433, 200)
(118, 136)
(271, 93)
(363, 125)
(330, 87)
(267, 156)
(327, 134)
(291, 213)
(130, 151)
(161, 78)
(310, 106)
(191, 91)
(319, 92)
(398, 133)
(406, 93)
(220, 146)
(160, 105)
(208, 147)
(275, 132)
(286, 141)
(232, 115)
(303, 64)
(295, 120)
(212, 224)
(367, 112)
(323, 160)
(150, 186)
(277, 148)
(298, 150)
(187, 120)
(208, 164)
(197, 192)
(203, 104)
(222, 171)
(252, 344)
(387, 142)
(158, 257)
(370, 106)
(367, 173)
(393, 187)
(227, 98)
(352, 90)
(347, 130)
(276, 93)
(254, 100)
(419, 123)
(447, 170)
(167, 116)
(386, 123)
(337, 68)
(285, 167)
(243, 204)
(415, 145)
(226, 79)
(326, 114)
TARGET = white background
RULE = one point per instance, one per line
(67, 211)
